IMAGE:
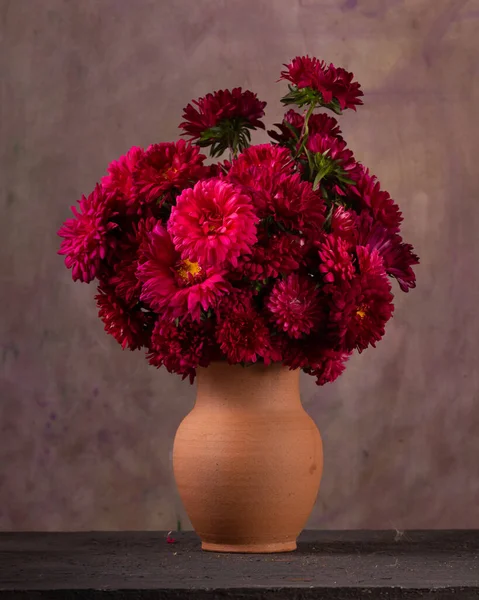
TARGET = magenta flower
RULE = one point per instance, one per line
(359, 311)
(218, 106)
(329, 81)
(88, 238)
(318, 124)
(336, 264)
(180, 348)
(213, 223)
(165, 167)
(295, 305)
(243, 335)
(128, 325)
(174, 286)
(382, 206)
(119, 181)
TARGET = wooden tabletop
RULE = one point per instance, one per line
(327, 565)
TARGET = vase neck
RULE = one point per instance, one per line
(273, 387)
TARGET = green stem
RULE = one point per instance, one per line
(305, 130)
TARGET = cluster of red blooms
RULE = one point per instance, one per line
(284, 252)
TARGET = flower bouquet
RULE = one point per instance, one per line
(272, 254)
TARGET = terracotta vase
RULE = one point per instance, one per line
(248, 459)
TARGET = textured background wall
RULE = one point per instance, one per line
(86, 429)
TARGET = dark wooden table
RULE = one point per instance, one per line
(327, 564)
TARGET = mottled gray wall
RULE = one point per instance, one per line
(86, 429)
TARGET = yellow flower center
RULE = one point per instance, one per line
(361, 311)
(186, 268)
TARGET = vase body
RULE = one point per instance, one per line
(248, 459)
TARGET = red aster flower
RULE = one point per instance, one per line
(88, 238)
(263, 158)
(359, 311)
(128, 325)
(295, 205)
(124, 262)
(328, 365)
(318, 124)
(370, 262)
(398, 257)
(181, 349)
(330, 82)
(213, 223)
(336, 262)
(334, 149)
(174, 286)
(343, 224)
(316, 359)
(382, 206)
(166, 167)
(281, 253)
(295, 306)
(119, 180)
(243, 335)
(223, 104)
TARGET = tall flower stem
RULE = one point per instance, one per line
(303, 138)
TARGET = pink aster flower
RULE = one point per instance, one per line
(177, 286)
(213, 223)
(129, 326)
(336, 261)
(218, 106)
(382, 206)
(165, 167)
(335, 149)
(88, 238)
(280, 253)
(295, 205)
(119, 180)
(295, 305)
(318, 124)
(370, 262)
(329, 81)
(264, 158)
(243, 335)
(328, 365)
(123, 263)
(359, 311)
(398, 257)
(181, 349)
(343, 224)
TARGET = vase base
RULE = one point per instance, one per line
(250, 548)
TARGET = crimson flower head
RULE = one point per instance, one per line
(243, 334)
(295, 305)
(382, 207)
(180, 348)
(166, 167)
(280, 253)
(174, 286)
(332, 87)
(213, 223)
(262, 158)
(398, 256)
(88, 238)
(295, 206)
(129, 325)
(328, 365)
(290, 128)
(219, 106)
(336, 264)
(223, 119)
(119, 181)
(359, 311)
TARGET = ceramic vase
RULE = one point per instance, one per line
(248, 459)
